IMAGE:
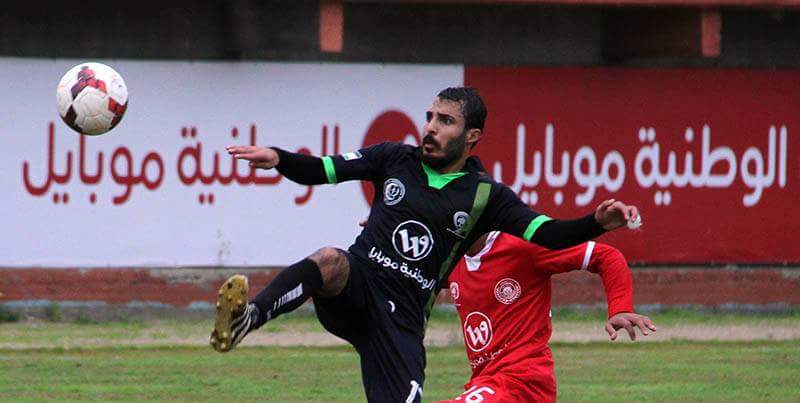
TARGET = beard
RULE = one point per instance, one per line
(452, 151)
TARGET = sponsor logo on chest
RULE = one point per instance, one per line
(412, 240)
(477, 331)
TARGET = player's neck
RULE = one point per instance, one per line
(455, 166)
(478, 245)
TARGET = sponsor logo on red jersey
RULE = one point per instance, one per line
(477, 331)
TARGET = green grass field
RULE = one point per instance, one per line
(677, 370)
(670, 371)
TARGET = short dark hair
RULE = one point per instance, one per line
(472, 106)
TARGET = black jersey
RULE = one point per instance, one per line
(422, 222)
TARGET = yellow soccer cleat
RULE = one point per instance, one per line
(233, 319)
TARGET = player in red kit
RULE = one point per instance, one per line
(502, 290)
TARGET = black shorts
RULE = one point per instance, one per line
(392, 356)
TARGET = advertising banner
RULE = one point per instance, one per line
(710, 156)
(159, 189)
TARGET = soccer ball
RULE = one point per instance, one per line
(92, 98)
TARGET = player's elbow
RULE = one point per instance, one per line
(611, 256)
(613, 252)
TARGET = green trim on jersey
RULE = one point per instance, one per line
(330, 171)
(534, 225)
(478, 205)
(437, 180)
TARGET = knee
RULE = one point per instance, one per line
(331, 262)
(334, 269)
(328, 258)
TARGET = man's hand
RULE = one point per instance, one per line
(259, 157)
(612, 214)
(629, 321)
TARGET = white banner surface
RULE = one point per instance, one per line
(159, 190)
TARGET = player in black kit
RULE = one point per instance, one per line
(431, 203)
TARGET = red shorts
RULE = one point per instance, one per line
(529, 380)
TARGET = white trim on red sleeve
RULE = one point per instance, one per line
(588, 255)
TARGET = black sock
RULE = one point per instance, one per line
(288, 290)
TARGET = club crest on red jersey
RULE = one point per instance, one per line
(507, 290)
(454, 290)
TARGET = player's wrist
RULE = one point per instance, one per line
(594, 224)
(277, 152)
(614, 311)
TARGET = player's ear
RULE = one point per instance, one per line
(474, 135)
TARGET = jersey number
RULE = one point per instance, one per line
(476, 394)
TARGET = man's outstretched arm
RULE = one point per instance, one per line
(613, 269)
(559, 234)
(300, 168)
(366, 163)
(507, 213)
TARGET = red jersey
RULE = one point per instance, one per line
(502, 295)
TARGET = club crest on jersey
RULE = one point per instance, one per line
(477, 331)
(393, 191)
(412, 240)
(507, 290)
(454, 290)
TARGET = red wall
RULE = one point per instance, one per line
(710, 287)
(706, 212)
